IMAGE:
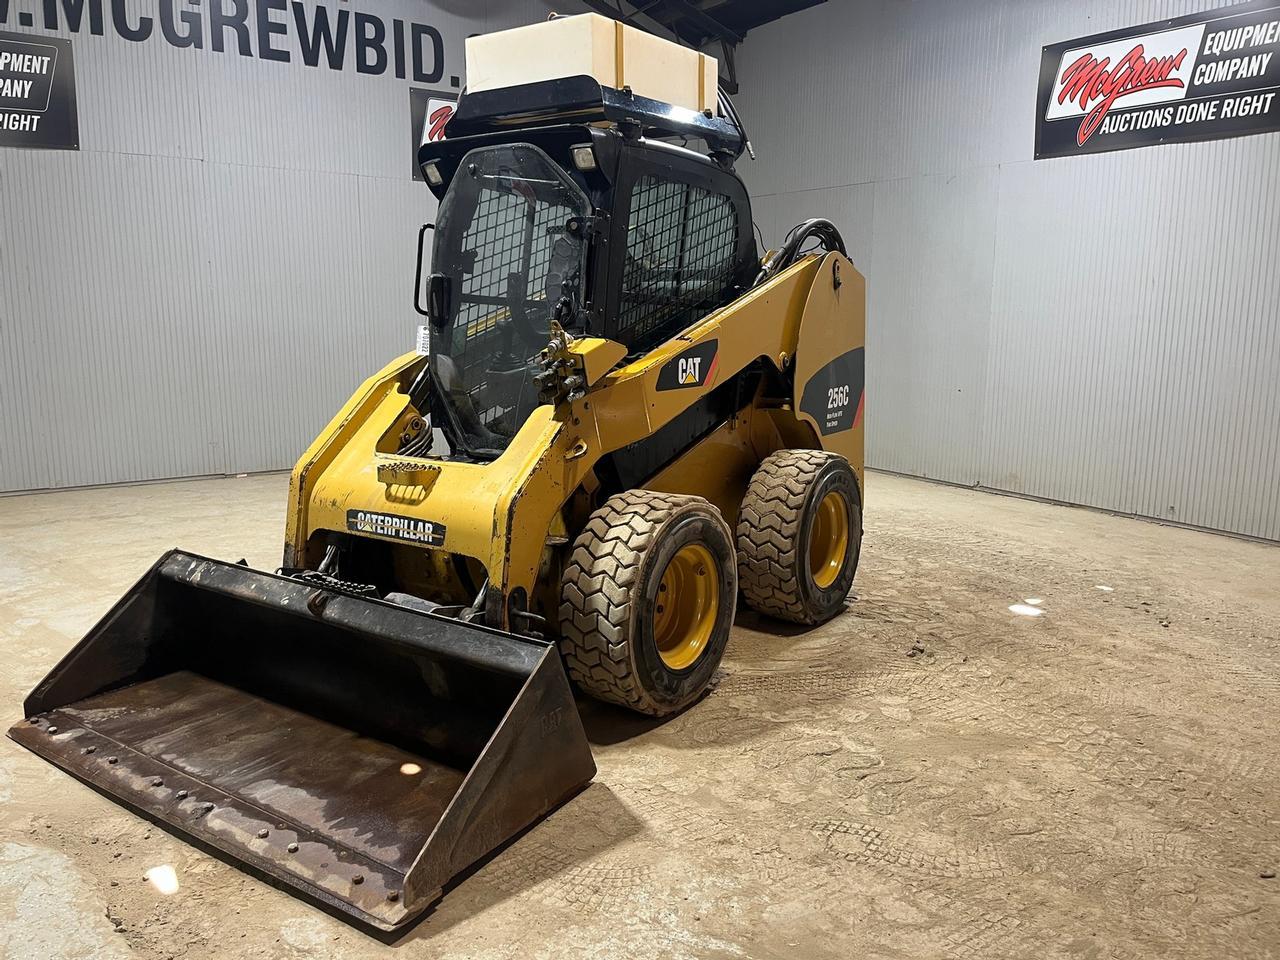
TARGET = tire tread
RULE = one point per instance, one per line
(768, 533)
(595, 596)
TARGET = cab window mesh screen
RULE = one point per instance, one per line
(680, 256)
(508, 247)
(508, 240)
(511, 238)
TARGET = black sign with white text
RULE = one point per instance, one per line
(1200, 77)
(37, 93)
(834, 395)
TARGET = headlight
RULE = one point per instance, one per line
(584, 158)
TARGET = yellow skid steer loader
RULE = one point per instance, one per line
(619, 421)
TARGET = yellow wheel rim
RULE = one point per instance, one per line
(829, 540)
(688, 601)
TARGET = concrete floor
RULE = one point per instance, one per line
(929, 775)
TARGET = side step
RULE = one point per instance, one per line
(360, 752)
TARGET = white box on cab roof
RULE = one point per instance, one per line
(588, 44)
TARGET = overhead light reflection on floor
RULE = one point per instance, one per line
(1025, 610)
(1104, 588)
(1034, 601)
(410, 769)
(164, 878)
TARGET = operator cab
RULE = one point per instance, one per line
(601, 227)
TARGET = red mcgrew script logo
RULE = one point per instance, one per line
(1132, 72)
(439, 112)
(1088, 79)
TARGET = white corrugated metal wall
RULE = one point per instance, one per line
(1098, 330)
(229, 254)
(200, 286)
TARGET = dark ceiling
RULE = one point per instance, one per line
(700, 22)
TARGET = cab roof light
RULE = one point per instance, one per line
(584, 157)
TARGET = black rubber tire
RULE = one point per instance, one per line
(774, 530)
(609, 595)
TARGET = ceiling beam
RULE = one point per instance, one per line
(615, 12)
(706, 22)
(669, 16)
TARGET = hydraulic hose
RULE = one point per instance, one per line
(802, 240)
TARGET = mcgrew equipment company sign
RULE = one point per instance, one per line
(1199, 77)
(37, 93)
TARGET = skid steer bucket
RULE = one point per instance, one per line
(356, 750)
